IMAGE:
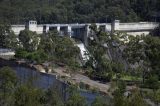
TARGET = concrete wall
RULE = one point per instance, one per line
(131, 28)
(138, 33)
(32, 26)
(108, 27)
(137, 28)
(39, 29)
(17, 28)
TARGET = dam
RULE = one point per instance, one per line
(82, 31)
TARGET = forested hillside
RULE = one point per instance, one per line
(73, 11)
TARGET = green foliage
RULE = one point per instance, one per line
(121, 86)
(157, 96)
(119, 99)
(60, 48)
(153, 53)
(152, 82)
(29, 40)
(136, 99)
(53, 97)
(21, 53)
(48, 47)
(3, 29)
(76, 100)
(99, 101)
(145, 51)
(69, 11)
(117, 67)
(7, 37)
(38, 56)
(8, 82)
(156, 31)
(99, 60)
(28, 96)
(134, 51)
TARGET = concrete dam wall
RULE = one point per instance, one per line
(81, 30)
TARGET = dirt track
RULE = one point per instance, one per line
(86, 80)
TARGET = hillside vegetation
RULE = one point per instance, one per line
(71, 11)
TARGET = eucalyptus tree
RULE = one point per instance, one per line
(98, 60)
(29, 40)
(153, 54)
(99, 101)
(136, 99)
(11, 41)
(28, 96)
(119, 99)
(134, 52)
(157, 97)
(53, 97)
(47, 44)
(142, 52)
(156, 31)
(105, 52)
(3, 30)
(7, 37)
(60, 49)
(75, 99)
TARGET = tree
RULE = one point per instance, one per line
(157, 96)
(7, 38)
(28, 96)
(60, 48)
(3, 30)
(47, 44)
(119, 99)
(121, 86)
(116, 13)
(75, 99)
(134, 53)
(53, 97)
(17, 12)
(152, 82)
(136, 99)
(99, 101)
(12, 41)
(38, 56)
(29, 40)
(156, 31)
(105, 53)
(8, 82)
(153, 54)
